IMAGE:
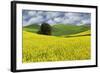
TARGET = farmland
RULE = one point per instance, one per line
(65, 44)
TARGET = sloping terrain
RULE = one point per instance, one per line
(43, 48)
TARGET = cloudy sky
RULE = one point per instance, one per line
(51, 17)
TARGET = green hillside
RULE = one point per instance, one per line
(32, 28)
(59, 29)
(84, 33)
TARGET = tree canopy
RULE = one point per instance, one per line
(45, 29)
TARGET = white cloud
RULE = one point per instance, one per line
(68, 14)
(24, 17)
(86, 21)
(53, 14)
(25, 23)
(32, 13)
(36, 19)
(58, 19)
(66, 21)
(40, 12)
(50, 21)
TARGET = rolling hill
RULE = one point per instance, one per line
(84, 33)
(32, 28)
(59, 29)
(43, 48)
(73, 43)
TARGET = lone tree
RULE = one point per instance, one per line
(45, 29)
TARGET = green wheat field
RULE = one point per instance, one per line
(67, 42)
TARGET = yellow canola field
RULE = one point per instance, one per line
(43, 48)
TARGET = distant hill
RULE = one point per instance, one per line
(84, 33)
(59, 29)
(62, 29)
(32, 28)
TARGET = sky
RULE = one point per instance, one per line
(52, 17)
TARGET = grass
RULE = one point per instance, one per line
(42, 48)
(59, 29)
(85, 33)
(32, 28)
